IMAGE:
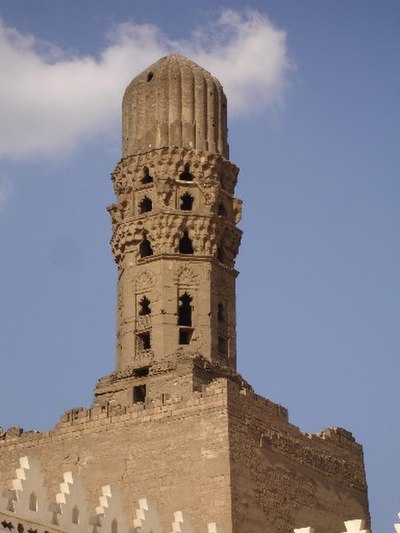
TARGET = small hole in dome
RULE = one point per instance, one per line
(150, 76)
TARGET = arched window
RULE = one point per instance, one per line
(33, 502)
(144, 306)
(75, 515)
(146, 176)
(114, 526)
(221, 210)
(185, 310)
(145, 205)
(186, 175)
(145, 248)
(187, 202)
(185, 244)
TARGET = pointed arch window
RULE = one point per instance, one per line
(186, 202)
(186, 174)
(75, 515)
(145, 249)
(144, 306)
(185, 244)
(146, 178)
(33, 502)
(221, 210)
(145, 205)
(185, 310)
(114, 526)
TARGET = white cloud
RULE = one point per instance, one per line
(49, 103)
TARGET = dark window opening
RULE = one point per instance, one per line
(139, 394)
(20, 527)
(33, 502)
(222, 346)
(221, 254)
(185, 310)
(144, 306)
(185, 244)
(141, 372)
(185, 336)
(145, 205)
(221, 210)
(221, 313)
(146, 176)
(145, 248)
(187, 202)
(186, 175)
(144, 341)
(150, 76)
(75, 515)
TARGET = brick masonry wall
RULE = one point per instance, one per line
(176, 453)
(282, 478)
(224, 454)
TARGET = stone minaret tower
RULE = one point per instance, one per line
(175, 238)
(175, 427)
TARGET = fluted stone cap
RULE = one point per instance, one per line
(174, 102)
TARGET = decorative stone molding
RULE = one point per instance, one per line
(72, 513)
(186, 277)
(144, 281)
(20, 512)
(170, 162)
(355, 526)
(215, 528)
(110, 511)
(164, 231)
(182, 523)
(29, 495)
(147, 519)
(352, 526)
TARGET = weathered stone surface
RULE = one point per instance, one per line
(174, 102)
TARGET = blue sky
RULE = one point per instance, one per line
(313, 90)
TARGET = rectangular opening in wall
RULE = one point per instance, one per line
(139, 394)
(143, 341)
(222, 346)
(185, 335)
(141, 372)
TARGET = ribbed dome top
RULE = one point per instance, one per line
(174, 102)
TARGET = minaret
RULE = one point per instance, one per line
(175, 238)
(175, 427)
